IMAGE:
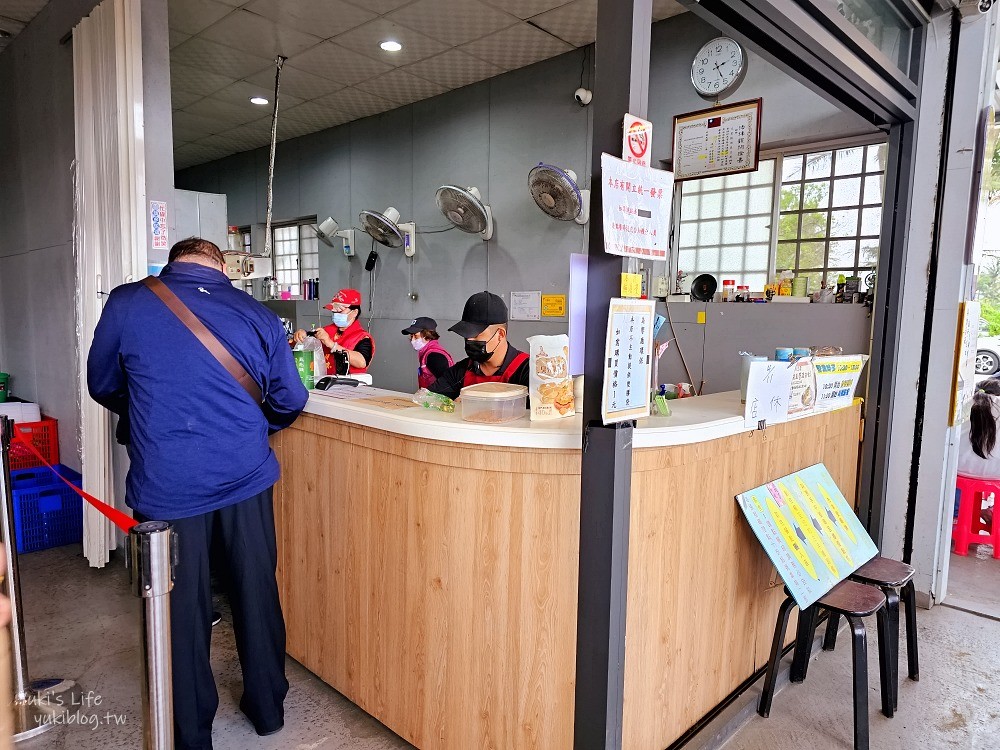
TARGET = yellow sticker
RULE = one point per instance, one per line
(553, 305)
(702, 317)
(632, 285)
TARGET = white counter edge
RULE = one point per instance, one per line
(694, 420)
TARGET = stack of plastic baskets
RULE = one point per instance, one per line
(47, 513)
(43, 435)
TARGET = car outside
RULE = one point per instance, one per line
(988, 355)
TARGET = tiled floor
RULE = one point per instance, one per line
(83, 624)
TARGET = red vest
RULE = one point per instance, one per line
(471, 378)
(424, 376)
(349, 338)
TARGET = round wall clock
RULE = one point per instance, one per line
(718, 68)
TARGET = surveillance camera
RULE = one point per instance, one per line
(985, 5)
(583, 96)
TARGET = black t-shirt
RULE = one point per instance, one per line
(365, 349)
(451, 382)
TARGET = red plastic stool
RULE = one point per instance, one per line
(969, 527)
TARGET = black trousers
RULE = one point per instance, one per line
(245, 533)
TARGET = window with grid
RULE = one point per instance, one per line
(725, 226)
(296, 255)
(830, 213)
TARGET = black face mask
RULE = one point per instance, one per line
(476, 350)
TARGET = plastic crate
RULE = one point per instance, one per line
(44, 435)
(47, 513)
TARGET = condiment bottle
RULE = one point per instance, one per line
(728, 290)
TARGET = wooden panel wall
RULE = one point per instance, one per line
(701, 604)
(433, 584)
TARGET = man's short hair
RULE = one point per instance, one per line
(196, 246)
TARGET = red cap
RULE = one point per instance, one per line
(347, 297)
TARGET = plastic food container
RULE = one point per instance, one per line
(494, 403)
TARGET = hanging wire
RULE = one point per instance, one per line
(279, 61)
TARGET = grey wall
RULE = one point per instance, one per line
(759, 329)
(37, 272)
(488, 135)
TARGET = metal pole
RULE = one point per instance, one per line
(34, 711)
(151, 556)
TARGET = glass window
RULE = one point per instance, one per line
(882, 25)
(296, 255)
(830, 213)
(725, 226)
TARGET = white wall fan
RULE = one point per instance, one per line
(556, 192)
(465, 209)
(386, 229)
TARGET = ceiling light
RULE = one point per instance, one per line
(391, 45)
(258, 100)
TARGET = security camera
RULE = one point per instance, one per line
(583, 96)
(985, 5)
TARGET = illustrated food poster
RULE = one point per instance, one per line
(809, 531)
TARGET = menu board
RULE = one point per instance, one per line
(717, 141)
(809, 530)
(628, 358)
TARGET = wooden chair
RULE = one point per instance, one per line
(854, 601)
(895, 579)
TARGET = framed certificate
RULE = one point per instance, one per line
(717, 141)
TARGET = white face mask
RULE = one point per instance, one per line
(418, 344)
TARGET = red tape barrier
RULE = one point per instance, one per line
(119, 519)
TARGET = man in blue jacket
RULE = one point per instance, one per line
(200, 459)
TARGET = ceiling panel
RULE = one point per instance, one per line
(666, 8)
(218, 58)
(196, 80)
(454, 69)
(192, 126)
(338, 63)
(324, 18)
(190, 154)
(575, 23)
(360, 103)
(453, 21)
(21, 10)
(177, 37)
(380, 6)
(320, 113)
(240, 92)
(401, 87)
(526, 8)
(224, 114)
(192, 16)
(11, 28)
(181, 99)
(296, 82)
(366, 39)
(243, 138)
(516, 47)
(248, 31)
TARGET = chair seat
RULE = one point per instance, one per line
(883, 571)
(853, 599)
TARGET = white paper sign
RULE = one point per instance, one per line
(637, 139)
(768, 392)
(158, 225)
(836, 380)
(525, 305)
(628, 360)
(636, 207)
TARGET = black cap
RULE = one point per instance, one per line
(482, 310)
(421, 324)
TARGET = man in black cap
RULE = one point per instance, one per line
(490, 357)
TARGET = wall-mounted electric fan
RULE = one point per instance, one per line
(386, 229)
(556, 192)
(464, 208)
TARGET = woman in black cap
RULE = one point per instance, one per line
(490, 357)
(432, 358)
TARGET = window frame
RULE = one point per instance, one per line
(301, 224)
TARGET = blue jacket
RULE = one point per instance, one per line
(198, 440)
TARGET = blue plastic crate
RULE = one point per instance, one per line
(43, 476)
(47, 513)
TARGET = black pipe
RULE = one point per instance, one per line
(932, 272)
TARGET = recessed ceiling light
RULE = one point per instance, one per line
(390, 45)
(258, 100)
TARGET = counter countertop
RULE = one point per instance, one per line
(693, 420)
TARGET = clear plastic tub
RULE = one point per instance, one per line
(494, 403)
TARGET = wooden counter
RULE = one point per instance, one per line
(434, 583)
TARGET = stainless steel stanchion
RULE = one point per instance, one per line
(35, 710)
(152, 553)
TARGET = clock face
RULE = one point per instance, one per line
(718, 67)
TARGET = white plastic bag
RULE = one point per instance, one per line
(550, 385)
(311, 344)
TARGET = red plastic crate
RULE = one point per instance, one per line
(44, 436)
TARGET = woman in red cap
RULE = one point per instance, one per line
(346, 333)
